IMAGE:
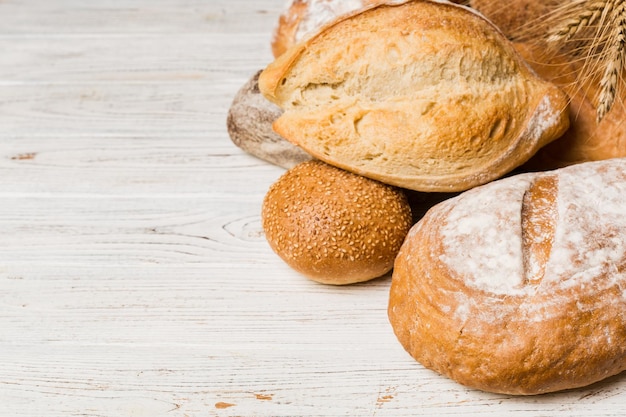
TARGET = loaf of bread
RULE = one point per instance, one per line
(302, 18)
(427, 96)
(514, 16)
(519, 286)
(333, 226)
(527, 23)
(586, 139)
(249, 125)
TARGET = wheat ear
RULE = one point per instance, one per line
(615, 65)
(586, 16)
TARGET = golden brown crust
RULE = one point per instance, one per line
(514, 15)
(517, 287)
(586, 139)
(527, 22)
(444, 115)
(333, 226)
(305, 17)
(285, 31)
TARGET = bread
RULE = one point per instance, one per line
(518, 286)
(249, 124)
(303, 18)
(528, 22)
(586, 139)
(333, 226)
(427, 96)
(515, 15)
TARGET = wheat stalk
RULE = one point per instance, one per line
(595, 32)
(590, 33)
(585, 17)
(615, 65)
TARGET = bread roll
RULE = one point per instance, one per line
(333, 226)
(427, 96)
(249, 124)
(519, 286)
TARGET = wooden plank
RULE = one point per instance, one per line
(148, 229)
(116, 109)
(41, 17)
(189, 59)
(168, 165)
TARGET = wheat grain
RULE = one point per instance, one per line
(594, 31)
(584, 15)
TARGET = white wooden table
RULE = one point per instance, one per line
(134, 276)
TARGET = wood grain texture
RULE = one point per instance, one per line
(134, 276)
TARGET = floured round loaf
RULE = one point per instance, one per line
(428, 96)
(333, 226)
(519, 286)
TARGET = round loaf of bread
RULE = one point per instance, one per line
(333, 226)
(519, 286)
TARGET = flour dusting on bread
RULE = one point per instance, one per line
(481, 247)
(482, 236)
(321, 12)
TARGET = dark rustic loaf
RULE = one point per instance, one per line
(249, 124)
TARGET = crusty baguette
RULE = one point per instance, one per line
(423, 95)
(518, 286)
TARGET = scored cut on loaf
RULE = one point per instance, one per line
(519, 286)
(423, 95)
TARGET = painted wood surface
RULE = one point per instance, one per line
(134, 276)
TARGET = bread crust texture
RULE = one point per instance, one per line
(427, 96)
(249, 124)
(517, 287)
(528, 23)
(333, 226)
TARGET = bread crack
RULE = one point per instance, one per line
(539, 217)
